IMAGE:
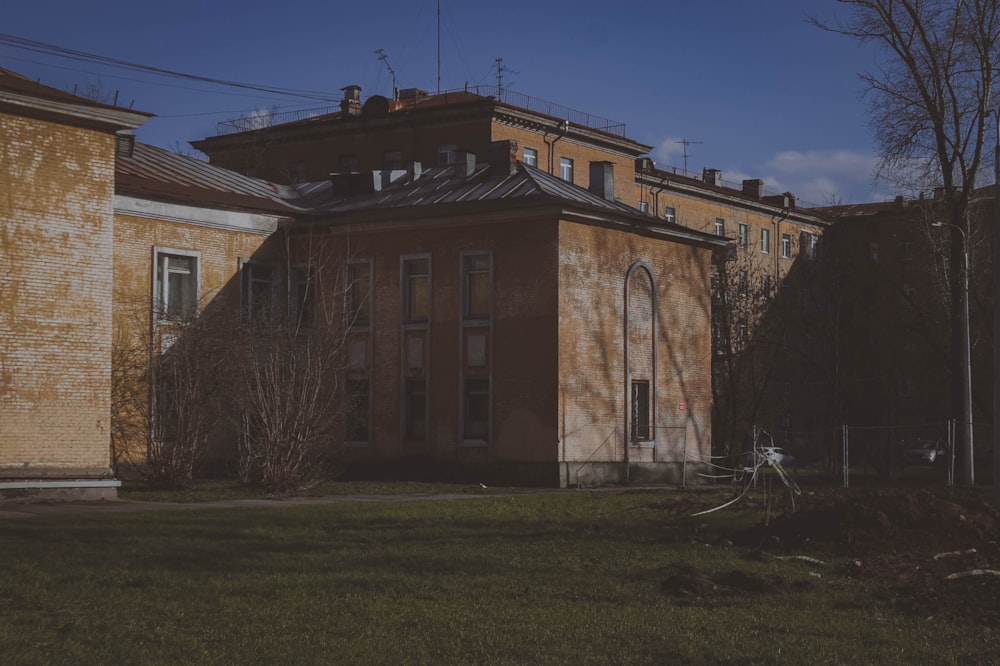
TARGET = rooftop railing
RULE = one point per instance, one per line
(264, 119)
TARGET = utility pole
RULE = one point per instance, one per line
(686, 143)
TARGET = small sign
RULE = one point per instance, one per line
(681, 406)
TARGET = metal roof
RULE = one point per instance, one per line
(156, 172)
(449, 184)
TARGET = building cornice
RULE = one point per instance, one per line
(105, 118)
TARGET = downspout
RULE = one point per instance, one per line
(551, 145)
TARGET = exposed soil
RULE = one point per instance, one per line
(911, 540)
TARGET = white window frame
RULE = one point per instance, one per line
(161, 287)
(720, 227)
(744, 237)
(765, 240)
(530, 156)
(670, 214)
(566, 169)
(786, 246)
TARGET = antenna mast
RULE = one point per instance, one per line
(686, 143)
(384, 57)
(439, 45)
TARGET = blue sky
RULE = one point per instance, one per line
(767, 95)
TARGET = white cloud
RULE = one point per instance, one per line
(819, 176)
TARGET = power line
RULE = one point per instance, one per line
(73, 54)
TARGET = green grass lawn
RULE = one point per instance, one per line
(563, 578)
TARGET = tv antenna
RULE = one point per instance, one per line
(501, 69)
(384, 57)
(439, 45)
(686, 143)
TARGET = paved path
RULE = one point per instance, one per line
(41, 509)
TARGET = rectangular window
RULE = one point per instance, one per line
(176, 284)
(765, 241)
(302, 309)
(358, 416)
(357, 308)
(670, 215)
(744, 283)
(566, 169)
(640, 411)
(644, 207)
(765, 286)
(476, 286)
(810, 243)
(297, 172)
(905, 251)
(446, 154)
(720, 227)
(416, 289)
(258, 284)
(786, 246)
(744, 235)
(477, 408)
(415, 409)
(530, 156)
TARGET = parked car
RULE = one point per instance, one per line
(769, 455)
(924, 452)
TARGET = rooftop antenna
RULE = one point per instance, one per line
(501, 68)
(439, 45)
(384, 57)
(686, 143)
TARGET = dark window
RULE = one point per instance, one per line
(415, 409)
(358, 295)
(476, 279)
(477, 408)
(258, 292)
(446, 154)
(744, 235)
(358, 410)
(640, 411)
(416, 289)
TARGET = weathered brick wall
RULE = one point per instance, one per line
(220, 251)
(594, 263)
(55, 297)
(521, 346)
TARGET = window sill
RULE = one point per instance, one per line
(644, 444)
(416, 325)
(475, 443)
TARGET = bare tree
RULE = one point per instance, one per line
(289, 402)
(930, 100)
(166, 381)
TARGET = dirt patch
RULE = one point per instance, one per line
(922, 544)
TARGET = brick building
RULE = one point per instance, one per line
(503, 320)
(57, 160)
(525, 325)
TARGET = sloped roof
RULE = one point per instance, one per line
(446, 184)
(160, 174)
(451, 185)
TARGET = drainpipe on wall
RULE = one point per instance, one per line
(552, 145)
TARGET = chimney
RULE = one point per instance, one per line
(465, 163)
(753, 188)
(503, 156)
(351, 104)
(602, 180)
(712, 177)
